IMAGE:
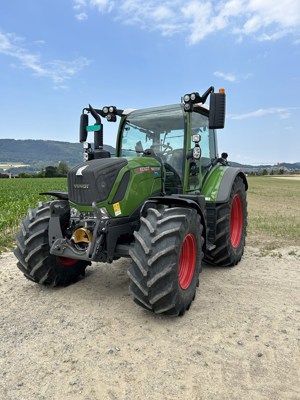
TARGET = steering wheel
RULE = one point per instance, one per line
(167, 149)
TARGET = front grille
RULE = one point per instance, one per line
(93, 180)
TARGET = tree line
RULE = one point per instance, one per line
(59, 171)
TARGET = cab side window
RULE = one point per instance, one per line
(207, 143)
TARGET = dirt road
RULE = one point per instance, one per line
(240, 339)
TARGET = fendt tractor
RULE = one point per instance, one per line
(165, 199)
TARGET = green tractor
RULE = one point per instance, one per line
(166, 200)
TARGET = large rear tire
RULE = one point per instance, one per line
(33, 251)
(166, 260)
(231, 224)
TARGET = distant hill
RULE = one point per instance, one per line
(284, 165)
(41, 153)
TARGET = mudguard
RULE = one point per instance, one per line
(218, 184)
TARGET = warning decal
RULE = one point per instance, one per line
(117, 209)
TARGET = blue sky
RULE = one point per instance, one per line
(56, 56)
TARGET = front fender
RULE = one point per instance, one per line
(186, 201)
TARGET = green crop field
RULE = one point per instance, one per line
(273, 208)
(16, 196)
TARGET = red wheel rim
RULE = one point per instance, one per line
(236, 221)
(66, 262)
(187, 261)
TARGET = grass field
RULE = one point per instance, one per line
(274, 212)
(273, 208)
(16, 196)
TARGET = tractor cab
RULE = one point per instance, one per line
(157, 132)
(170, 134)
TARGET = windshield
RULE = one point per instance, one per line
(160, 129)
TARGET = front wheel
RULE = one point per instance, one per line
(166, 260)
(33, 251)
(231, 224)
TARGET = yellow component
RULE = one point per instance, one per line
(117, 209)
(221, 90)
(82, 235)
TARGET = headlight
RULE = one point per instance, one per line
(74, 213)
(188, 107)
(186, 98)
(90, 215)
(196, 138)
(105, 110)
(103, 212)
(111, 117)
(196, 153)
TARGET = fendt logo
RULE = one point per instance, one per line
(79, 171)
(81, 185)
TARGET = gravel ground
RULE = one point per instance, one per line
(240, 339)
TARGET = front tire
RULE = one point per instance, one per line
(231, 224)
(166, 260)
(33, 251)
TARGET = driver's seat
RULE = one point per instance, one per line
(176, 161)
(174, 172)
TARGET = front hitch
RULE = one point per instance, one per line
(63, 247)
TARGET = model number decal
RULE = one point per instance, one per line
(147, 169)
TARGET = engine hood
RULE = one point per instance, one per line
(93, 180)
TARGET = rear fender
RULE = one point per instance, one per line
(217, 186)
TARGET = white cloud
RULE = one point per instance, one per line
(162, 12)
(81, 16)
(226, 76)
(230, 77)
(102, 5)
(78, 4)
(283, 113)
(58, 71)
(262, 19)
(81, 7)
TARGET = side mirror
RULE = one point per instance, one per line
(217, 111)
(84, 121)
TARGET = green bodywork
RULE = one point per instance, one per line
(144, 182)
(212, 183)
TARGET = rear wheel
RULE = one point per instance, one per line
(231, 223)
(33, 251)
(166, 260)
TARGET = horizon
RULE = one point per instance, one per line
(138, 54)
(105, 144)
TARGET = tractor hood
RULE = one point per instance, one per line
(92, 181)
(121, 185)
